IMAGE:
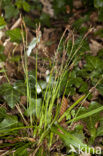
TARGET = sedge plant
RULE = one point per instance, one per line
(43, 125)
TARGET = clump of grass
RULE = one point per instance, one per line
(39, 129)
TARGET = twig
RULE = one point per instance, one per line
(17, 23)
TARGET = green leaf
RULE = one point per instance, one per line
(32, 81)
(90, 116)
(100, 12)
(100, 129)
(99, 33)
(92, 120)
(15, 58)
(42, 152)
(45, 19)
(8, 122)
(84, 87)
(22, 151)
(93, 63)
(26, 6)
(69, 138)
(10, 11)
(100, 88)
(10, 94)
(30, 22)
(15, 35)
(2, 71)
(6, 2)
(20, 87)
(31, 110)
(87, 114)
(59, 7)
(78, 81)
(78, 132)
(4, 88)
(12, 98)
(21, 4)
(77, 24)
(2, 113)
(98, 3)
(67, 112)
(2, 23)
(2, 56)
(73, 112)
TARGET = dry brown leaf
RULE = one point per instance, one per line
(80, 64)
(77, 96)
(11, 69)
(68, 9)
(96, 125)
(64, 106)
(46, 33)
(18, 139)
(11, 48)
(77, 4)
(95, 47)
(94, 17)
(47, 7)
(8, 48)
(95, 94)
(17, 23)
(3, 79)
(23, 100)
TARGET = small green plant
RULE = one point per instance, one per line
(38, 122)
